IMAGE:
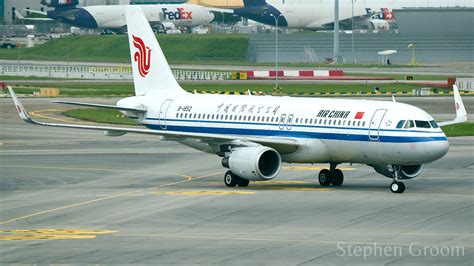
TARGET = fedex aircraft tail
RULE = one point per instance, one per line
(151, 72)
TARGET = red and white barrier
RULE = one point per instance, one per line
(292, 74)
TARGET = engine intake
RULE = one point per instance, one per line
(406, 172)
(254, 163)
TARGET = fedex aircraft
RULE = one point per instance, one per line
(319, 14)
(254, 134)
(113, 16)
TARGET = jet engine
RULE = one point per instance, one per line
(406, 171)
(254, 163)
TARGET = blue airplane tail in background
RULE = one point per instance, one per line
(60, 4)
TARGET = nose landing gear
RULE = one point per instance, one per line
(397, 186)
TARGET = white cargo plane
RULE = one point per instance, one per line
(255, 134)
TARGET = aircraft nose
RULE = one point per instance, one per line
(437, 149)
(211, 16)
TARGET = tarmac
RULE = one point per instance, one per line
(74, 196)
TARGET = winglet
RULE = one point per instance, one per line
(461, 114)
(19, 107)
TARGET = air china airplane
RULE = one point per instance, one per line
(255, 134)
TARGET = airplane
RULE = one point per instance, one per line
(319, 15)
(113, 16)
(254, 135)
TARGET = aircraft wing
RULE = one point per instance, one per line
(133, 110)
(36, 12)
(282, 145)
(461, 114)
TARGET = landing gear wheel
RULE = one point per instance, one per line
(242, 182)
(230, 180)
(397, 187)
(337, 177)
(325, 177)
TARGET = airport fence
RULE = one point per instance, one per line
(98, 72)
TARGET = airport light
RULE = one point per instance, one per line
(276, 49)
(412, 46)
(336, 31)
(352, 21)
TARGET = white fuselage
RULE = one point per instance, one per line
(183, 15)
(313, 14)
(328, 130)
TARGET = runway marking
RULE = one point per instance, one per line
(52, 234)
(188, 178)
(271, 239)
(205, 192)
(312, 167)
(289, 188)
(39, 113)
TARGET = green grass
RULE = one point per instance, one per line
(126, 89)
(464, 129)
(100, 116)
(114, 117)
(97, 48)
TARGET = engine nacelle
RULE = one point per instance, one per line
(407, 171)
(254, 163)
(60, 3)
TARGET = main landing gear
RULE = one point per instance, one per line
(397, 186)
(332, 176)
(231, 180)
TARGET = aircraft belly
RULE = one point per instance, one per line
(309, 151)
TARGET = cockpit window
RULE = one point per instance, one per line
(422, 124)
(434, 124)
(400, 124)
(409, 124)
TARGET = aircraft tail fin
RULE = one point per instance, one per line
(151, 72)
(249, 3)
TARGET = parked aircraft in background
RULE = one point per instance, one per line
(113, 16)
(255, 134)
(319, 14)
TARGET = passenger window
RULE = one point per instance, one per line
(311, 121)
(400, 124)
(363, 124)
(195, 115)
(422, 124)
(358, 123)
(434, 124)
(339, 122)
(409, 124)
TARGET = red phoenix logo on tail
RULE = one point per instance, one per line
(142, 56)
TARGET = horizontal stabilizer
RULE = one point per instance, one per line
(134, 110)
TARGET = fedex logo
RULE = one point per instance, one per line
(180, 14)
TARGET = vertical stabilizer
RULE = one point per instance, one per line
(151, 72)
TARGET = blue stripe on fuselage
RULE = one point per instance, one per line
(293, 134)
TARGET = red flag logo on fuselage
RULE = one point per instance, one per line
(359, 115)
(142, 56)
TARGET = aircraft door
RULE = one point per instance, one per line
(289, 122)
(163, 110)
(282, 122)
(375, 122)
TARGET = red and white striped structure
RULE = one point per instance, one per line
(293, 74)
